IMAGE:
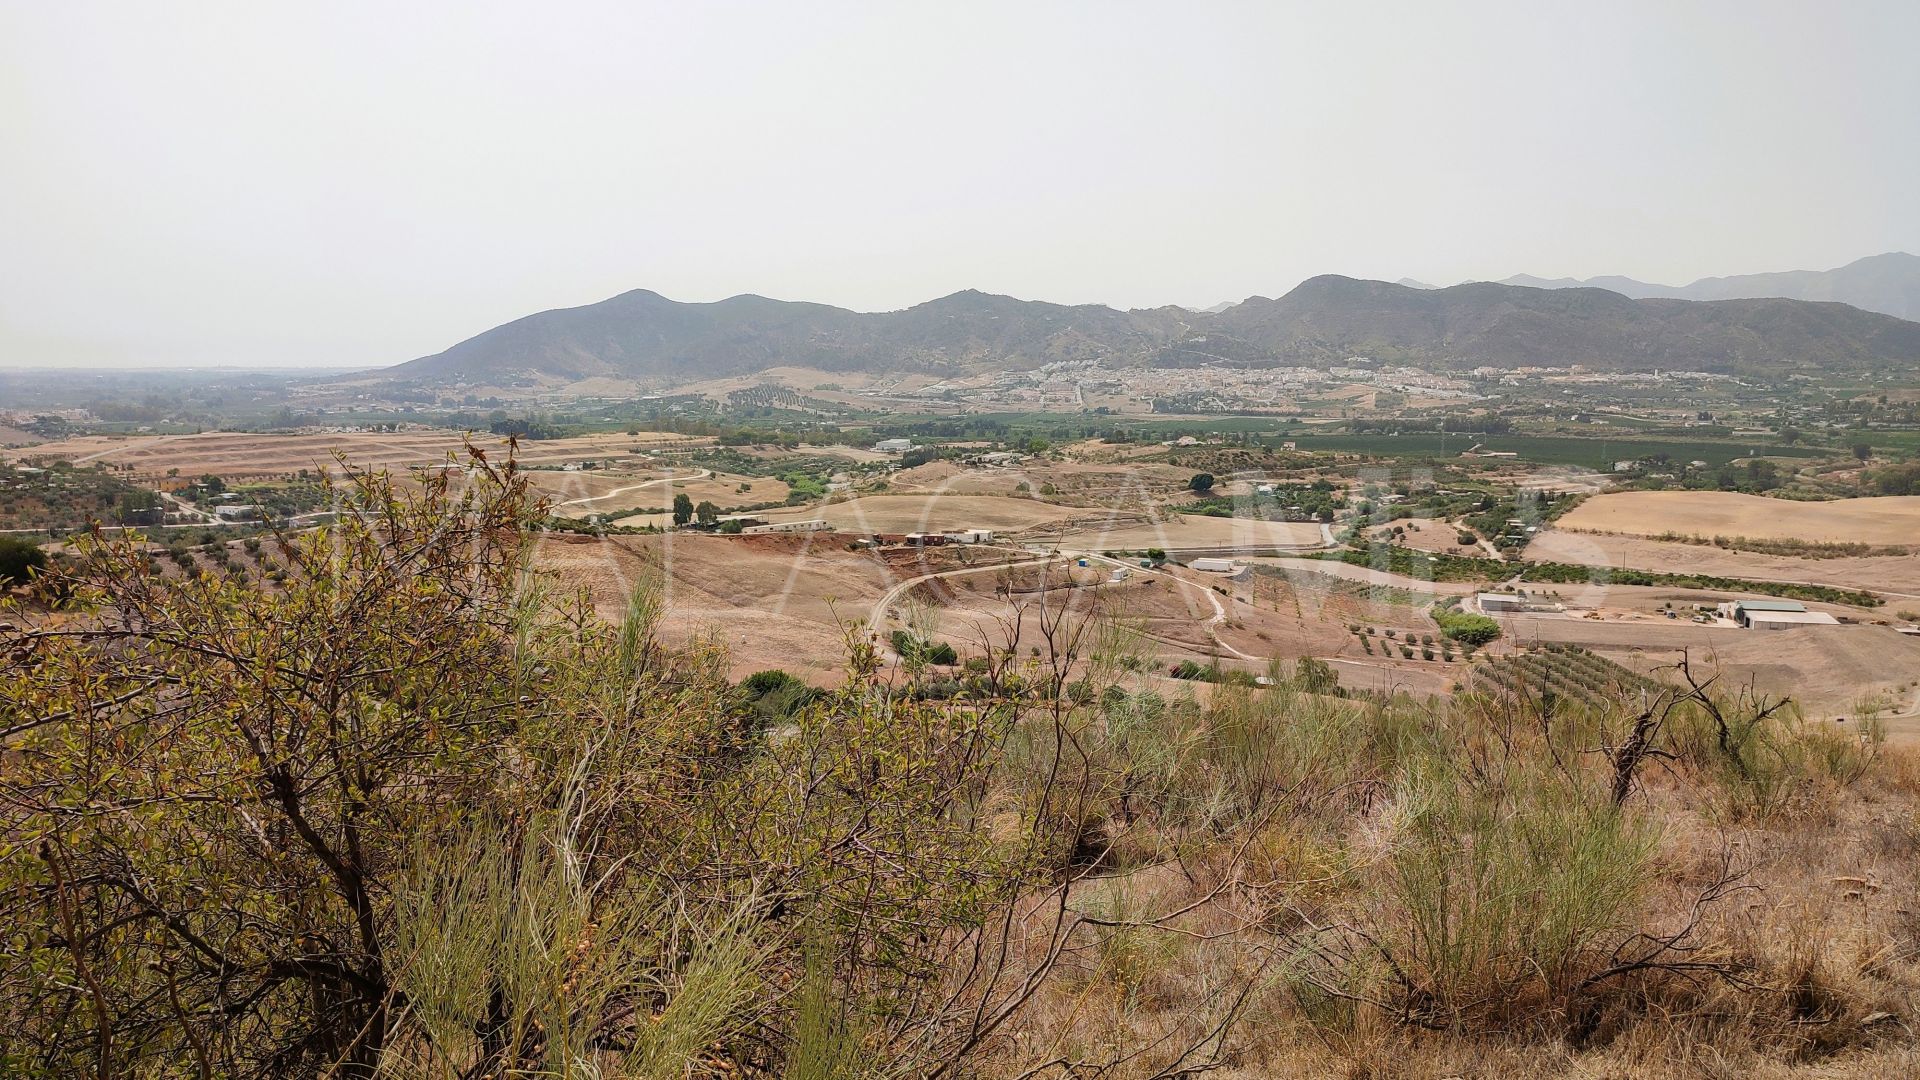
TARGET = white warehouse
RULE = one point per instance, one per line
(789, 527)
(893, 446)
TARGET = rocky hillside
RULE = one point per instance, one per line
(644, 336)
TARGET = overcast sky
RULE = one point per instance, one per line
(360, 184)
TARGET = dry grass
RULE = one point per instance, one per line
(1893, 520)
(1444, 894)
(239, 455)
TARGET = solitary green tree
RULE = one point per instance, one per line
(682, 508)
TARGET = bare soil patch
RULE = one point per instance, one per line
(1894, 574)
(1180, 531)
(1883, 520)
(1827, 669)
(771, 601)
(936, 512)
(238, 454)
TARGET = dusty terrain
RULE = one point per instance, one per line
(771, 601)
(239, 455)
(1829, 670)
(1886, 520)
(929, 513)
(580, 493)
(1427, 534)
(1896, 575)
(1181, 531)
(1068, 482)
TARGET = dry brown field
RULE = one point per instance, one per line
(1426, 534)
(1828, 670)
(1186, 615)
(1898, 576)
(771, 601)
(581, 493)
(1191, 531)
(241, 455)
(1307, 568)
(1072, 483)
(934, 512)
(1885, 520)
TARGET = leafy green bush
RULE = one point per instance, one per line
(919, 650)
(1467, 629)
(18, 559)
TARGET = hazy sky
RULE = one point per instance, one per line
(359, 184)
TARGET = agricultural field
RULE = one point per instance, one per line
(1065, 482)
(1193, 531)
(622, 493)
(1886, 520)
(890, 513)
(1427, 534)
(240, 455)
(769, 601)
(1896, 576)
(34, 499)
(1827, 670)
(1567, 672)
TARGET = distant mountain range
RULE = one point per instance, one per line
(643, 335)
(1888, 284)
(646, 337)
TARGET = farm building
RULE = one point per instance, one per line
(893, 446)
(999, 459)
(971, 536)
(1782, 620)
(1495, 603)
(1214, 566)
(790, 527)
(1776, 614)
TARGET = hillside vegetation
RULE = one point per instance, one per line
(643, 335)
(412, 812)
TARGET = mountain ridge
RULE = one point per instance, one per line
(644, 336)
(1888, 283)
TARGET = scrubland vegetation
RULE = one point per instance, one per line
(413, 813)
